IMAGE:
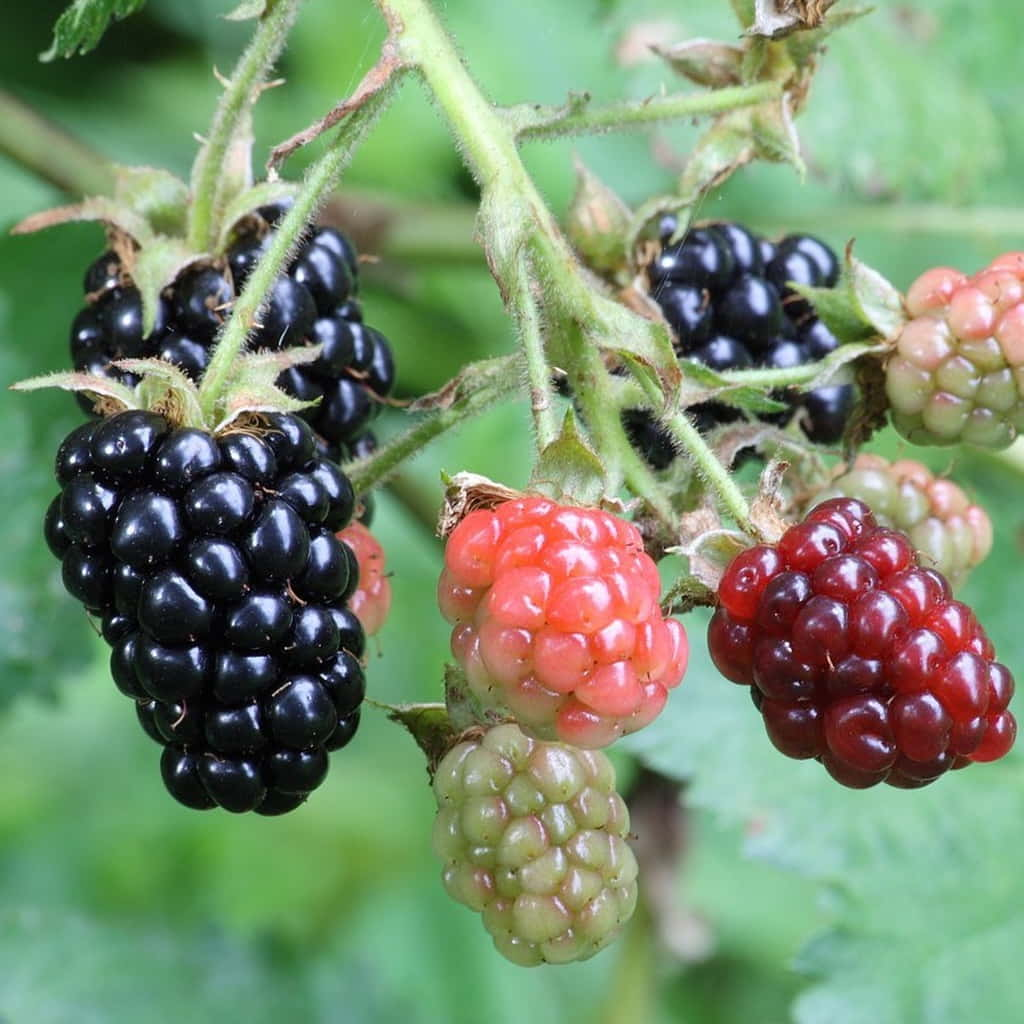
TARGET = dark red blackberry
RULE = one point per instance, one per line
(859, 657)
(222, 588)
(728, 298)
(314, 303)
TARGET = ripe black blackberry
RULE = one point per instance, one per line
(222, 589)
(726, 296)
(314, 303)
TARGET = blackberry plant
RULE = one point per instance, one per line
(205, 511)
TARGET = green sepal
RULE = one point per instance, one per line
(252, 387)
(569, 469)
(165, 388)
(87, 383)
(155, 194)
(862, 305)
(598, 223)
(246, 202)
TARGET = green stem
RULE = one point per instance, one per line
(531, 123)
(774, 378)
(252, 69)
(495, 380)
(319, 180)
(711, 468)
(537, 367)
(592, 389)
(47, 150)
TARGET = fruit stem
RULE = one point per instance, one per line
(546, 123)
(537, 368)
(47, 150)
(240, 93)
(491, 381)
(774, 378)
(592, 389)
(711, 468)
(319, 180)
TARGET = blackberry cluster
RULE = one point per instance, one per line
(726, 296)
(214, 567)
(315, 302)
(858, 657)
(533, 837)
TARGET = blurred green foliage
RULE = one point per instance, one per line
(821, 904)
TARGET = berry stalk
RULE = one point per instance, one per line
(491, 381)
(239, 94)
(319, 181)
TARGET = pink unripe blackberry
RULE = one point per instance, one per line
(957, 372)
(371, 601)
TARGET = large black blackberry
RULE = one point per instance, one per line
(222, 588)
(315, 302)
(726, 296)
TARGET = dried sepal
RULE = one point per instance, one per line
(704, 61)
(467, 492)
(598, 223)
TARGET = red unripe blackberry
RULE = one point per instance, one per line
(957, 372)
(371, 601)
(214, 567)
(556, 619)
(858, 656)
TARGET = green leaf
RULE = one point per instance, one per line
(82, 25)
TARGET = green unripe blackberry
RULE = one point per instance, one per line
(950, 533)
(533, 837)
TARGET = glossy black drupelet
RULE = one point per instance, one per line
(315, 302)
(726, 296)
(221, 587)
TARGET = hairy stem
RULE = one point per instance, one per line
(537, 368)
(711, 468)
(589, 120)
(319, 180)
(239, 94)
(491, 382)
(47, 150)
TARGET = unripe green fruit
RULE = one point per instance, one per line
(533, 837)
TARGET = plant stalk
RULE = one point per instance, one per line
(499, 381)
(48, 151)
(319, 180)
(590, 120)
(240, 93)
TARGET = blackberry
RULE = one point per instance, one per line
(316, 301)
(214, 567)
(727, 297)
(859, 657)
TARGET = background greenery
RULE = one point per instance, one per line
(795, 899)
